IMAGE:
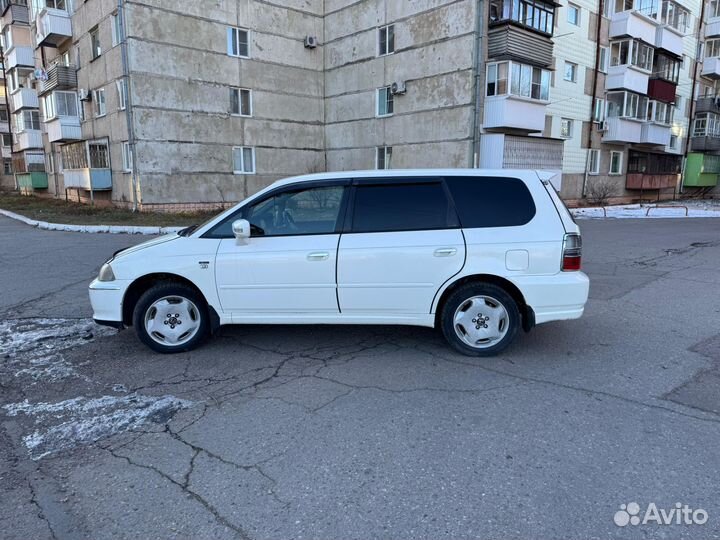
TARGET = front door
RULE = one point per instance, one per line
(287, 266)
(404, 243)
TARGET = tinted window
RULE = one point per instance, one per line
(401, 207)
(289, 213)
(483, 201)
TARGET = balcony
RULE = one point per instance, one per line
(669, 39)
(706, 143)
(514, 113)
(6, 152)
(32, 180)
(627, 77)
(28, 138)
(707, 104)
(95, 179)
(633, 24)
(514, 42)
(662, 90)
(4, 127)
(64, 129)
(18, 11)
(622, 130)
(59, 77)
(53, 27)
(712, 28)
(711, 67)
(19, 56)
(655, 134)
(701, 170)
(651, 181)
(24, 98)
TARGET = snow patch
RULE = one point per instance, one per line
(693, 209)
(82, 421)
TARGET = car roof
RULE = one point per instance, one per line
(402, 173)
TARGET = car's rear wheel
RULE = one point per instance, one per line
(480, 319)
(171, 317)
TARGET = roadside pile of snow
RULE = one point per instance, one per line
(691, 209)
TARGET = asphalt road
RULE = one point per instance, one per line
(365, 432)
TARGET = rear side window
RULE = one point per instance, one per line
(489, 201)
(402, 207)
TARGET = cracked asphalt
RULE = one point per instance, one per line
(364, 432)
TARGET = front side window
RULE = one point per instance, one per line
(615, 162)
(238, 42)
(96, 48)
(309, 211)
(386, 40)
(244, 160)
(401, 207)
(491, 201)
(241, 101)
(385, 103)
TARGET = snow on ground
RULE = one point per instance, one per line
(81, 421)
(670, 209)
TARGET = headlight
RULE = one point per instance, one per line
(106, 273)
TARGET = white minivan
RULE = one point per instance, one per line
(478, 254)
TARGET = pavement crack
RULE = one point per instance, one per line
(40, 512)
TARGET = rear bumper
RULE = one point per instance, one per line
(106, 298)
(557, 297)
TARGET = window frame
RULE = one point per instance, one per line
(386, 152)
(576, 9)
(95, 45)
(596, 169)
(620, 163)
(127, 157)
(574, 66)
(242, 157)
(99, 112)
(389, 102)
(115, 29)
(571, 127)
(389, 32)
(235, 31)
(239, 91)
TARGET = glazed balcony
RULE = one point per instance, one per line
(19, 56)
(64, 129)
(59, 77)
(707, 143)
(28, 138)
(6, 152)
(622, 130)
(514, 113)
(24, 98)
(707, 104)
(627, 77)
(711, 67)
(712, 28)
(52, 27)
(655, 134)
(515, 42)
(634, 24)
(651, 181)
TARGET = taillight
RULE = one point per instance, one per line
(572, 253)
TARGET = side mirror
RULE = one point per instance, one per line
(241, 229)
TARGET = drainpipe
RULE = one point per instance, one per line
(7, 108)
(474, 158)
(601, 7)
(691, 115)
(129, 106)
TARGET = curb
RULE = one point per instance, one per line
(110, 229)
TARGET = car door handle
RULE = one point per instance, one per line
(445, 252)
(318, 256)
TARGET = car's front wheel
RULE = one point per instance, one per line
(171, 317)
(480, 319)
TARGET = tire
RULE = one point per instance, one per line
(161, 312)
(480, 319)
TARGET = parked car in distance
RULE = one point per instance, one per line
(478, 254)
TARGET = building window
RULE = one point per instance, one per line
(666, 68)
(526, 81)
(573, 14)
(673, 142)
(615, 162)
(3, 114)
(631, 52)
(383, 157)
(570, 72)
(127, 157)
(116, 29)
(645, 163)
(95, 47)
(50, 165)
(594, 161)
(99, 154)
(99, 102)
(243, 160)
(497, 78)
(6, 139)
(532, 13)
(241, 101)
(238, 42)
(385, 105)
(122, 94)
(60, 104)
(706, 125)
(27, 120)
(604, 58)
(566, 128)
(599, 110)
(660, 112)
(386, 40)
(675, 16)
(7, 166)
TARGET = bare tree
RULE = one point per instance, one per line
(600, 192)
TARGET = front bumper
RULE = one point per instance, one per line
(106, 298)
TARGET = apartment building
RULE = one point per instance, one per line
(161, 106)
